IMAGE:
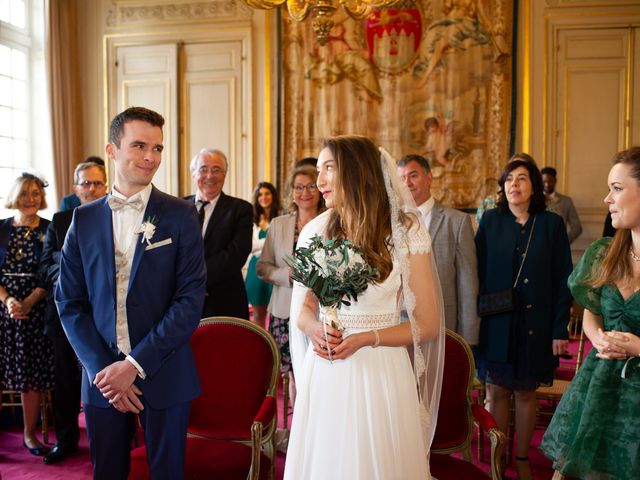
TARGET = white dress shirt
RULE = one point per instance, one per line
(208, 210)
(125, 222)
(425, 210)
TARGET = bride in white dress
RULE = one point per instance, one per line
(366, 414)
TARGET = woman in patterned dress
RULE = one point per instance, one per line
(26, 355)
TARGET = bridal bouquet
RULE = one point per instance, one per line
(335, 271)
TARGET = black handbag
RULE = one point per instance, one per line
(502, 301)
(495, 303)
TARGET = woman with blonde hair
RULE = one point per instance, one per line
(26, 354)
(304, 204)
(358, 413)
(594, 431)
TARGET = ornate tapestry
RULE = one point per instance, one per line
(431, 77)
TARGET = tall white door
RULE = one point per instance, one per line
(594, 113)
(216, 110)
(147, 76)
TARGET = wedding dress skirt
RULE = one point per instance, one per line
(359, 418)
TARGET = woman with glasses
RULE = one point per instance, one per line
(266, 206)
(26, 355)
(305, 203)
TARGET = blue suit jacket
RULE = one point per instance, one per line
(69, 202)
(164, 303)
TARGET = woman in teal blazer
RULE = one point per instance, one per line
(518, 349)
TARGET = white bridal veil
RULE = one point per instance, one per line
(420, 289)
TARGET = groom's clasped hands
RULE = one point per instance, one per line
(116, 385)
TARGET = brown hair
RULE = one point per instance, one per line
(274, 208)
(616, 265)
(311, 172)
(361, 210)
(538, 202)
(22, 183)
(116, 129)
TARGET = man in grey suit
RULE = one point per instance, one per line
(560, 204)
(453, 247)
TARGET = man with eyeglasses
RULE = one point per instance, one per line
(227, 232)
(90, 183)
(72, 201)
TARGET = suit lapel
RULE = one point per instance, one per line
(288, 231)
(436, 220)
(218, 212)
(154, 207)
(105, 243)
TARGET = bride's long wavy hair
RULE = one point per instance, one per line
(361, 211)
(616, 264)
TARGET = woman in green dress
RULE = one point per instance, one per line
(594, 432)
(266, 206)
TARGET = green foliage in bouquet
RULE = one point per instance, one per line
(334, 270)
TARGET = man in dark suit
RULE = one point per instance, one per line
(90, 183)
(227, 231)
(130, 293)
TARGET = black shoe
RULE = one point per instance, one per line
(59, 452)
(38, 451)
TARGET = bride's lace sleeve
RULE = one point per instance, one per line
(417, 239)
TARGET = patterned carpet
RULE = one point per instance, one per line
(17, 464)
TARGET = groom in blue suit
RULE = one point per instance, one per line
(130, 294)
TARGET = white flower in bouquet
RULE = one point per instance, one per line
(335, 271)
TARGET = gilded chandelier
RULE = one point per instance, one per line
(322, 11)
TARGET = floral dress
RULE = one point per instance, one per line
(26, 354)
(595, 430)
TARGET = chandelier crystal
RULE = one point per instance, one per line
(322, 11)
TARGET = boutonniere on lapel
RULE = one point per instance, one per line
(147, 229)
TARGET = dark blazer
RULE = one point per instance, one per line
(227, 244)
(543, 285)
(50, 266)
(164, 302)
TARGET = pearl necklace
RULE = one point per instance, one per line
(635, 257)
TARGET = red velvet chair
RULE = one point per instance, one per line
(231, 433)
(455, 418)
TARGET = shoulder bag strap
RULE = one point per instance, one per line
(524, 256)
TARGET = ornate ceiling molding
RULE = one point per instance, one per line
(133, 12)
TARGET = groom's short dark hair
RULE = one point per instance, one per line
(133, 113)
